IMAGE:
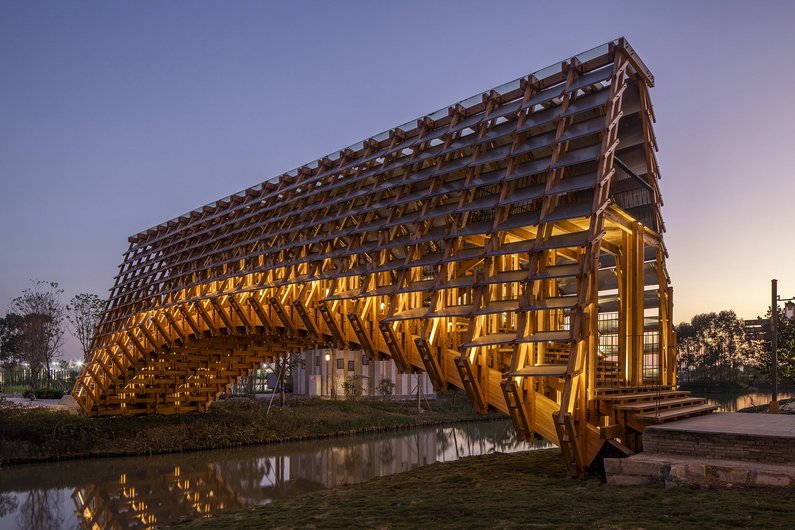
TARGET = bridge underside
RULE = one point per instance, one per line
(510, 246)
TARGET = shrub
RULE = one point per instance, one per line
(385, 388)
(353, 387)
(43, 393)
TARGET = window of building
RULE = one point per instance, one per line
(340, 364)
(350, 366)
(365, 360)
(608, 336)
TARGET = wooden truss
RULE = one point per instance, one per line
(480, 244)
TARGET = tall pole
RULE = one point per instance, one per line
(334, 374)
(774, 344)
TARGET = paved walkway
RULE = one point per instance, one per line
(25, 402)
(778, 425)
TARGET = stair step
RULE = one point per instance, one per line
(558, 302)
(492, 339)
(409, 314)
(541, 370)
(661, 404)
(644, 396)
(345, 295)
(499, 306)
(564, 358)
(453, 311)
(547, 336)
(572, 240)
(506, 277)
(557, 271)
(632, 389)
(677, 413)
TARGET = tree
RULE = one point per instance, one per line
(282, 366)
(84, 314)
(353, 387)
(385, 388)
(10, 331)
(713, 346)
(42, 330)
(785, 351)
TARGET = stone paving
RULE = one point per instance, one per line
(779, 425)
(65, 403)
(716, 450)
(692, 471)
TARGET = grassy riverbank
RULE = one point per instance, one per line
(32, 435)
(511, 490)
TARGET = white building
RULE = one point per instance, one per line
(323, 372)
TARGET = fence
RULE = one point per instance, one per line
(17, 378)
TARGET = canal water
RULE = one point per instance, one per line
(734, 402)
(143, 492)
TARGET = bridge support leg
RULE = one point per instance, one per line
(518, 409)
(394, 348)
(471, 385)
(431, 364)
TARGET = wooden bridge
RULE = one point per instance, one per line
(509, 245)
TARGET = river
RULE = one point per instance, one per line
(735, 402)
(143, 492)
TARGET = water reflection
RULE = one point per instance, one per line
(734, 402)
(145, 492)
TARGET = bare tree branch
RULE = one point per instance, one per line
(84, 313)
(42, 330)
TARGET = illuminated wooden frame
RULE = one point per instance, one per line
(478, 244)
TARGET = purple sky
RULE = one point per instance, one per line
(116, 116)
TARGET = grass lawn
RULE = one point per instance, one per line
(512, 490)
(30, 435)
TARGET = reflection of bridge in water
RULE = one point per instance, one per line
(150, 491)
(509, 245)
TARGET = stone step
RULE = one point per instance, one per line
(766, 438)
(693, 471)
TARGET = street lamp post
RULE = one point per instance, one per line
(789, 314)
(328, 370)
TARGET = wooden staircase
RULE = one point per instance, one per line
(630, 409)
(608, 373)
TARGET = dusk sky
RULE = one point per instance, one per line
(116, 116)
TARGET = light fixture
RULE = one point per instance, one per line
(789, 310)
(328, 356)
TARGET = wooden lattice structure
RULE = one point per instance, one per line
(483, 243)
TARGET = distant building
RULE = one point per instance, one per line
(323, 372)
